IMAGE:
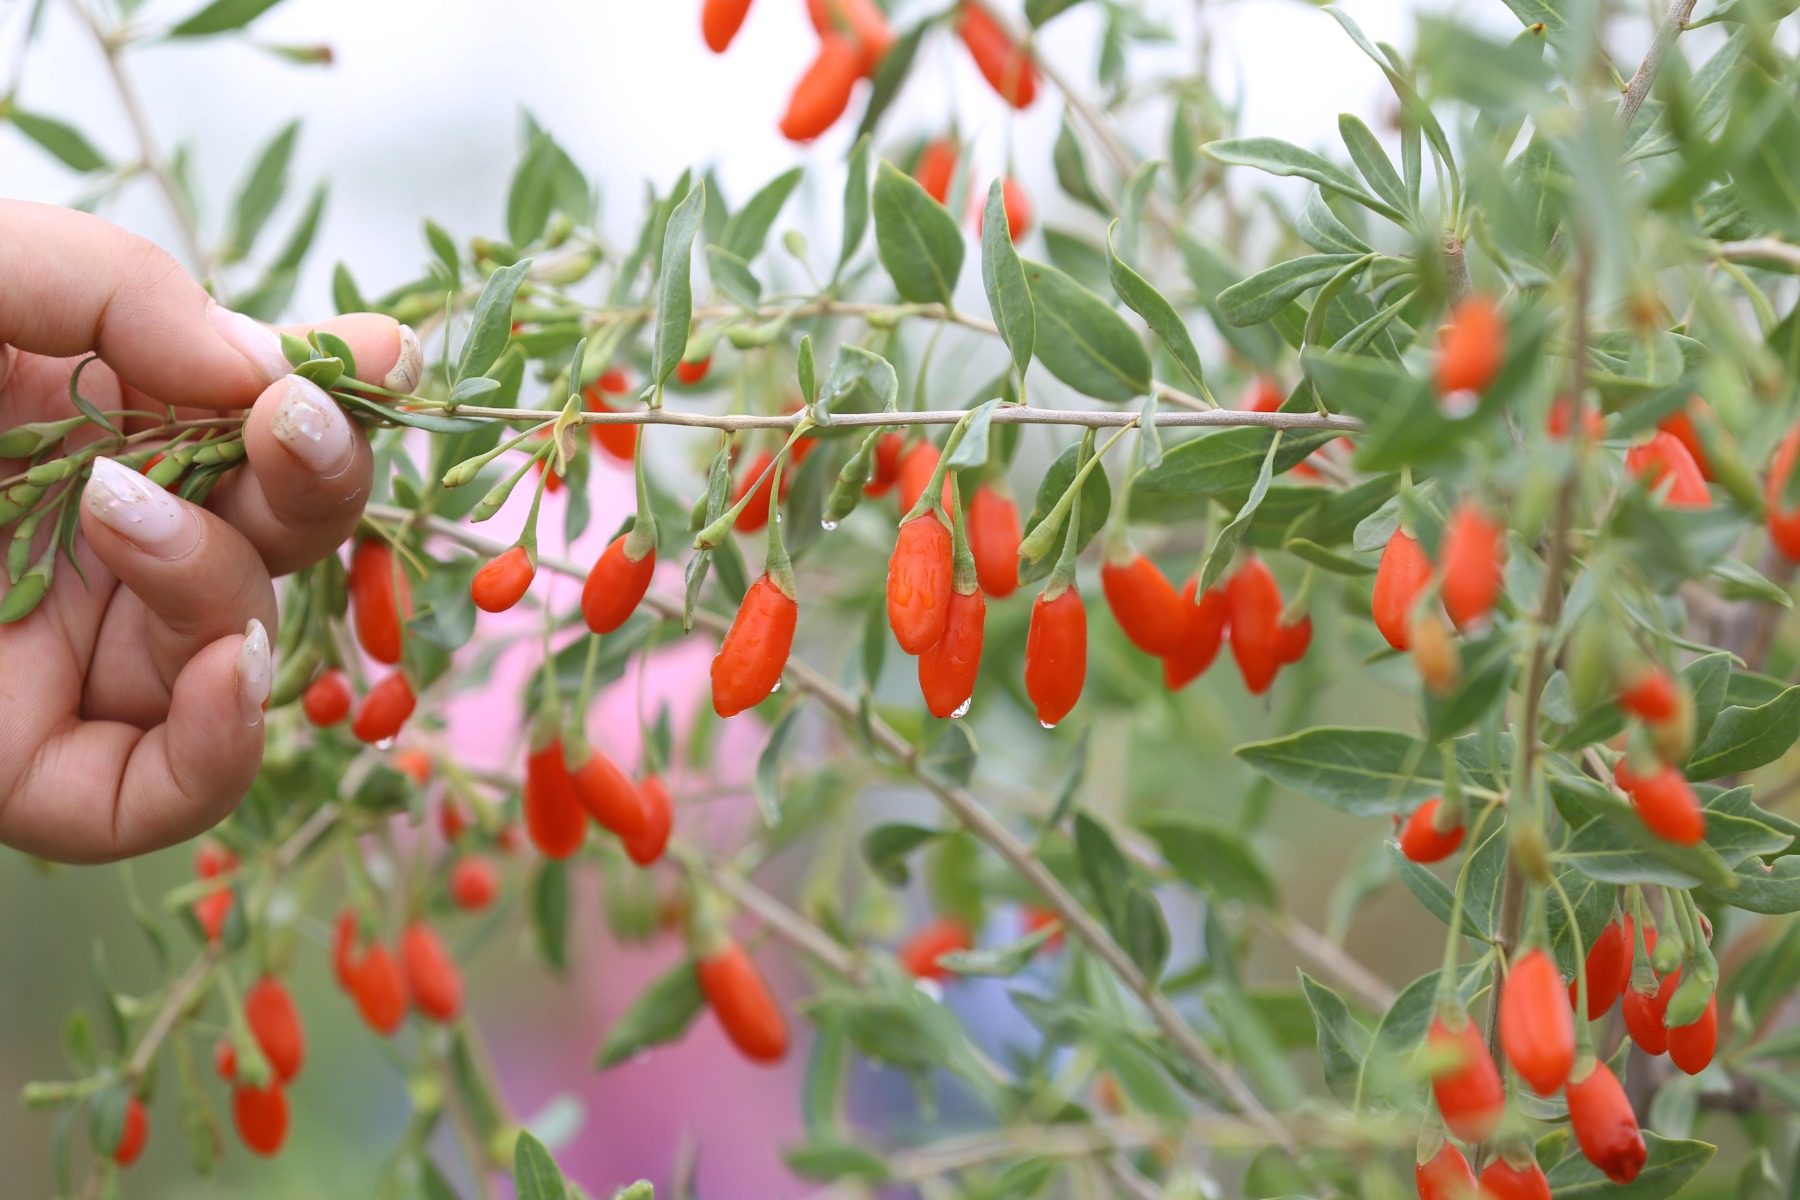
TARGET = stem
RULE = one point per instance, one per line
(1638, 89)
(1017, 414)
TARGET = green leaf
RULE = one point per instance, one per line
(661, 1013)
(427, 419)
(1000, 962)
(916, 238)
(1430, 891)
(221, 16)
(1267, 292)
(1093, 506)
(535, 1173)
(675, 289)
(549, 909)
(768, 767)
(1083, 341)
(1003, 276)
(748, 228)
(260, 193)
(1142, 930)
(856, 202)
(1343, 1040)
(1669, 1166)
(1742, 739)
(1072, 171)
(953, 755)
(1773, 889)
(886, 847)
(1157, 312)
(60, 138)
(1225, 543)
(1211, 857)
(1364, 772)
(827, 1163)
(1620, 850)
(490, 325)
(972, 452)
(1040, 11)
(1370, 159)
(1222, 462)
(1284, 158)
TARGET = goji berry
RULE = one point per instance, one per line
(1202, 633)
(1017, 206)
(917, 465)
(823, 91)
(1434, 654)
(1646, 1016)
(1400, 579)
(1422, 841)
(1664, 461)
(1292, 640)
(1604, 1126)
(1500, 1180)
(617, 439)
(261, 1117)
(615, 586)
(609, 796)
(1608, 969)
(1666, 803)
(380, 598)
(553, 814)
(1253, 608)
(1680, 426)
(1691, 1046)
(1056, 654)
(935, 169)
(275, 1024)
(1650, 695)
(225, 1059)
(343, 949)
(1037, 918)
(212, 860)
(473, 883)
(453, 822)
(430, 972)
(327, 699)
(739, 998)
(947, 670)
(379, 990)
(1144, 603)
(1007, 68)
(1473, 348)
(920, 953)
(993, 525)
(1446, 1177)
(755, 650)
(691, 373)
(415, 764)
(1537, 1031)
(758, 483)
(212, 911)
(384, 709)
(919, 583)
(1467, 1088)
(503, 580)
(659, 820)
(860, 20)
(133, 1133)
(1562, 417)
(1263, 395)
(886, 468)
(1473, 555)
(720, 21)
(1784, 522)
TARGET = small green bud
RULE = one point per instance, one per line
(1689, 1002)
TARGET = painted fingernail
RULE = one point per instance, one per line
(313, 428)
(255, 672)
(139, 511)
(403, 376)
(252, 339)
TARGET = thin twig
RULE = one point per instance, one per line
(1324, 954)
(1216, 418)
(1638, 89)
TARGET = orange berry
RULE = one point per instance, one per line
(739, 998)
(1473, 348)
(1007, 68)
(328, 699)
(648, 844)
(503, 580)
(384, 709)
(1056, 655)
(473, 883)
(823, 91)
(755, 650)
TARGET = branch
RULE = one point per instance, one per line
(1325, 955)
(1018, 414)
(782, 922)
(1762, 249)
(1638, 89)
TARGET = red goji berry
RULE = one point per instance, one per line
(1400, 578)
(860, 20)
(920, 953)
(1691, 1046)
(1784, 522)
(1056, 654)
(1422, 841)
(1646, 1016)
(920, 579)
(473, 883)
(615, 586)
(503, 580)
(1202, 633)
(225, 1059)
(993, 525)
(384, 709)
(133, 1133)
(1468, 1091)
(758, 482)
(739, 998)
(1292, 640)
(1537, 1031)
(947, 670)
(1650, 695)
(917, 465)
(1562, 417)
(1007, 68)
(275, 1024)
(212, 860)
(380, 598)
(261, 1117)
(1473, 348)
(1017, 206)
(1604, 1126)
(1666, 803)
(212, 911)
(755, 650)
(1446, 1177)
(1608, 968)
(553, 814)
(618, 440)
(659, 820)
(453, 822)
(379, 990)
(823, 91)
(936, 168)
(1473, 554)
(1144, 603)
(1253, 606)
(1037, 918)
(609, 796)
(1664, 461)
(1680, 426)
(328, 698)
(431, 974)
(343, 949)
(720, 21)
(1500, 1180)
(885, 470)
(1434, 654)
(415, 764)
(691, 373)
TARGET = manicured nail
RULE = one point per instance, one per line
(404, 375)
(252, 339)
(254, 672)
(313, 428)
(139, 511)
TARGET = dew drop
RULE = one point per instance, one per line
(385, 744)
(1047, 724)
(776, 688)
(930, 987)
(962, 710)
(641, 1055)
(828, 525)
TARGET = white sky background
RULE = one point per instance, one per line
(419, 116)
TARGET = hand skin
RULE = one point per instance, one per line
(131, 705)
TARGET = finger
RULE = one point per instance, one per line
(195, 574)
(101, 790)
(308, 473)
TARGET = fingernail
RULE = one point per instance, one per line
(254, 673)
(139, 511)
(403, 376)
(252, 339)
(313, 428)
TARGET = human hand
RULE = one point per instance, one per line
(131, 704)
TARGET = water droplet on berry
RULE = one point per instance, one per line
(1047, 724)
(776, 688)
(828, 524)
(385, 744)
(962, 710)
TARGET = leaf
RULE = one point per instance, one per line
(427, 419)
(490, 325)
(1222, 462)
(1093, 506)
(1430, 891)
(748, 228)
(60, 138)
(1669, 1166)
(1142, 930)
(1706, 679)
(953, 756)
(1072, 171)
(885, 848)
(1364, 772)
(768, 767)
(827, 1163)
(1343, 1040)
(1157, 312)
(661, 1013)
(1003, 276)
(1773, 889)
(1620, 850)
(856, 201)
(1083, 341)
(549, 907)
(1742, 739)
(916, 238)
(1211, 857)
(1225, 543)
(1103, 866)
(535, 1173)
(675, 289)
(1284, 158)
(999, 962)
(973, 451)
(221, 16)
(260, 193)
(1370, 159)
(532, 193)
(1267, 292)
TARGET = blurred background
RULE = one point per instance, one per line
(419, 115)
